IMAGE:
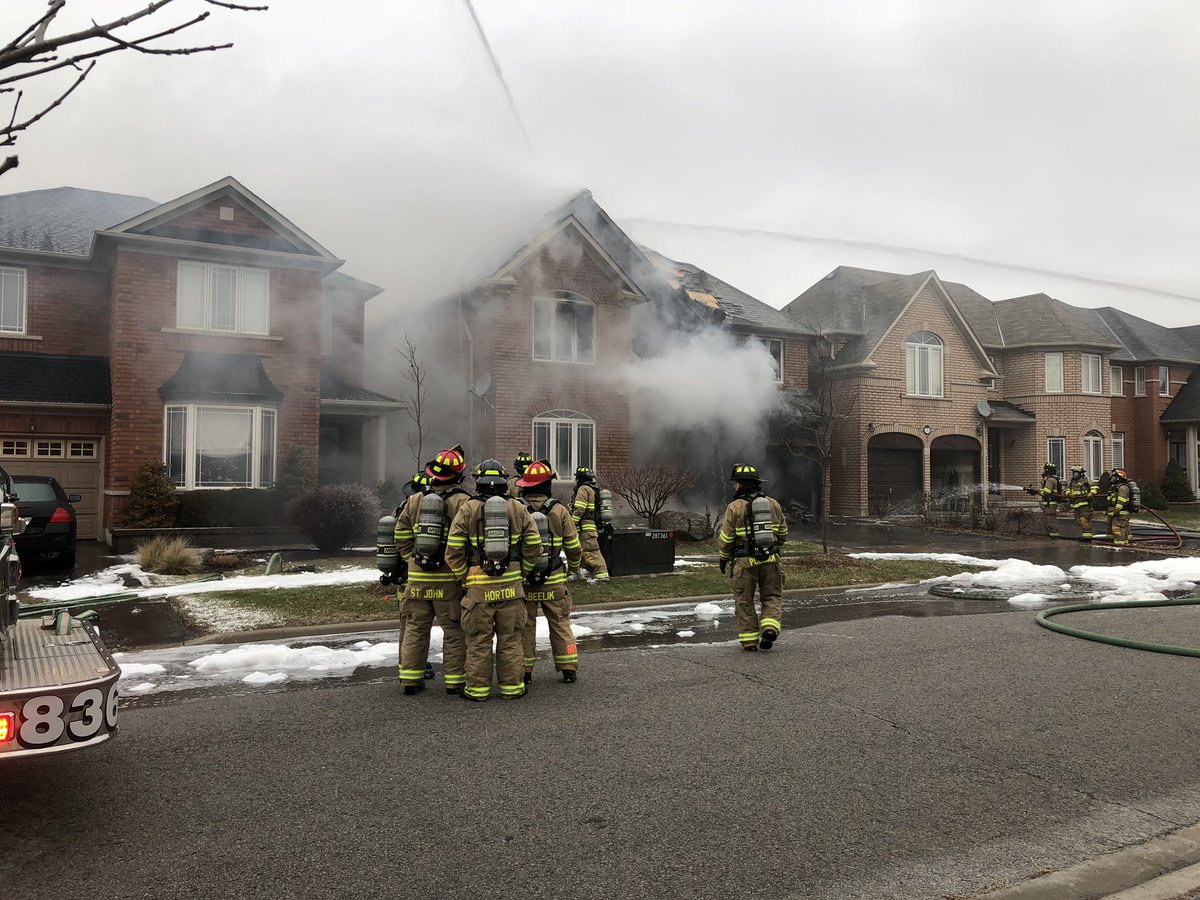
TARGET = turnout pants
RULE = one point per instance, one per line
(423, 603)
(593, 559)
(750, 575)
(555, 604)
(1118, 527)
(1083, 518)
(1050, 518)
(503, 619)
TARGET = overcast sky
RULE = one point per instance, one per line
(901, 134)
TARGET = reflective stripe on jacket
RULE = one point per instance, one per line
(464, 547)
(406, 534)
(735, 536)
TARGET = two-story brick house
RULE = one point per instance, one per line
(951, 391)
(208, 332)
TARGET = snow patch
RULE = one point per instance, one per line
(128, 670)
(107, 581)
(685, 633)
(265, 678)
(1028, 599)
(707, 610)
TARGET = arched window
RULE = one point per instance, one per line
(1093, 454)
(566, 438)
(923, 352)
(564, 328)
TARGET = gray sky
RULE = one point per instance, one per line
(1057, 136)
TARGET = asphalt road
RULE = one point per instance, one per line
(881, 758)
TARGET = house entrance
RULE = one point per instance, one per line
(893, 470)
(953, 469)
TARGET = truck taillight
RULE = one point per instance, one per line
(8, 727)
(60, 515)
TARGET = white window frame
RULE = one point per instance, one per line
(7, 273)
(924, 353)
(1164, 381)
(260, 417)
(579, 426)
(54, 447)
(240, 274)
(1055, 386)
(1093, 451)
(19, 448)
(776, 360)
(1118, 449)
(1056, 452)
(550, 301)
(1116, 381)
(1139, 381)
(81, 449)
(1090, 365)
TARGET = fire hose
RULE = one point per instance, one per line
(1045, 616)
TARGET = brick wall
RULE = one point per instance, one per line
(208, 218)
(67, 308)
(143, 356)
(795, 363)
(1146, 450)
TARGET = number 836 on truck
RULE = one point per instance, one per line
(58, 682)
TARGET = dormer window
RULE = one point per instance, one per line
(228, 299)
(564, 328)
(924, 357)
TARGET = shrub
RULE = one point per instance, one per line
(1175, 485)
(168, 556)
(1152, 496)
(334, 516)
(224, 560)
(295, 476)
(245, 507)
(152, 499)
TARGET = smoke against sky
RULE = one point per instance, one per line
(1055, 136)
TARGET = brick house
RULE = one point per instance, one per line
(208, 332)
(950, 391)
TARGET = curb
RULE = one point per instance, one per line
(291, 631)
(1163, 868)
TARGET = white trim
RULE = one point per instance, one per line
(240, 274)
(1062, 372)
(1114, 383)
(190, 450)
(226, 253)
(1136, 371)
(553, 417)
(1083, 367)
(23, 290)
(229, 334)
(571, 297)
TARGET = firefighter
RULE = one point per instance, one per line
(1050, 492)
(585, 514)
(546, 586)
(418, 484)
(415, 485)
(520, 463)
(751, 534)
(1080, 492)
(433, 590)
(493, 545)
(1119, 495)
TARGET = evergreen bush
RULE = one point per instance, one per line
(1175, 485)
(295, 477)
(152, 500)
(1152, 496)
(335, 516)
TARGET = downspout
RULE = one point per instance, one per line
(470, 372)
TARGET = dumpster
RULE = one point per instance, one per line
(640, 552)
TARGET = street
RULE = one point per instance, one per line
(878, 757)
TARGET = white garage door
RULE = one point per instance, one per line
(74, 461)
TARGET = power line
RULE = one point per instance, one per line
(512, 105)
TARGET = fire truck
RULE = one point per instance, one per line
(58, 682)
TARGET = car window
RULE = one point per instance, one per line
(34, 491)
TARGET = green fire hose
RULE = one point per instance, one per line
(1044, 619)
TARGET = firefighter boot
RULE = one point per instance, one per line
(414, 687)
(768, 638)
(569, 676)
(428, 670)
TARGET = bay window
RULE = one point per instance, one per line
(230, 299)
(1093, 454)
(1164, 381)
(1139, 381)
(1090, 373)
(567, 439)
(1054, 373)
(1056, 452)
(207, 446)
(924, 359)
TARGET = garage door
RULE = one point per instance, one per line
(74, 461)
(894, 463)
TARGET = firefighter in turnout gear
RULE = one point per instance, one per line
(1119, 495)
(433, 591)
(546, 586)
(751, 534)
(1050, 493)
(493, 546)
(418, 484)
(520, 463)
(585, 513)
(1080, 492)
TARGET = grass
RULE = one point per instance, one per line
(366, 602)
(1180, 515)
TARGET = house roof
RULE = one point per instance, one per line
(337, 389)
(739, 308)
(1190, 335)
(1185, 406)
(835, 305)
(63, 220)
(1142, 340)
(1004, 413)
(1038, 320)
(979, 311)
(48, 378)
(220, 376)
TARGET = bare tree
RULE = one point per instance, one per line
(37, 52)
(648, 488)
(414, 374)
(818, 431)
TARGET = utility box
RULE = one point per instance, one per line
(638, 552)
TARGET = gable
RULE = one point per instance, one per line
(567, 242)
(567, 260)
(225, 214)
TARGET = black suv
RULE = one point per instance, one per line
(50, 526)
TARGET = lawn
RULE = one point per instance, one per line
(1181, 515)
(369, 602)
